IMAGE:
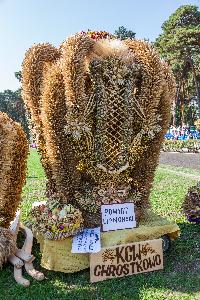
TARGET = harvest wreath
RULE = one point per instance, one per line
(55, 222)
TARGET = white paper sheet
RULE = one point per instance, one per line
(118, 216)
(88, 241)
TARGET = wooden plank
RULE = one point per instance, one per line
(127, 259)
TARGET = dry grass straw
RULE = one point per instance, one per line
(33, 69)
(13, 155)
(191, 204)
(75, 110)
(7, 245)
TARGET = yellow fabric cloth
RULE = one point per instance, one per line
(57, 256)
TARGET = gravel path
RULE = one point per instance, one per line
(186, 160)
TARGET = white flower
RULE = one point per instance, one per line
(62, 213)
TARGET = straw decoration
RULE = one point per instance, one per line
(101, 108)
(13, 154)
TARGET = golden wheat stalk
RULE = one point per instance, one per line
(13, 155)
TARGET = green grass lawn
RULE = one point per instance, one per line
(179, 280)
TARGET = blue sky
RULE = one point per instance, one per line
(25, 22)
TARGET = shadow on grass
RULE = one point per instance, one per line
(180, 278)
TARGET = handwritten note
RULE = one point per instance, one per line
(118, 216)
(88, 241)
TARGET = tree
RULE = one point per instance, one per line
(122, 33)
(179, 45)
(18, 75)
(11, 103)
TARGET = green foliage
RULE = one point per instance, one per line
(18, 75)
(190, 114)
(122, 33)
(179, 45)
(178, 146)
(181, 32)
(11, 103)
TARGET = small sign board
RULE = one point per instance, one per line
(88, 241)
(127, 259)
(118, 216)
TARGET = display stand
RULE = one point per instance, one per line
(57, 256)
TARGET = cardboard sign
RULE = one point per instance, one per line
(127, 259)
(118, 216)
(88, 241)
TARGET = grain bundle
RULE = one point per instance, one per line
(13, 155)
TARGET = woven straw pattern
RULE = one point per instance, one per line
(101, 109)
